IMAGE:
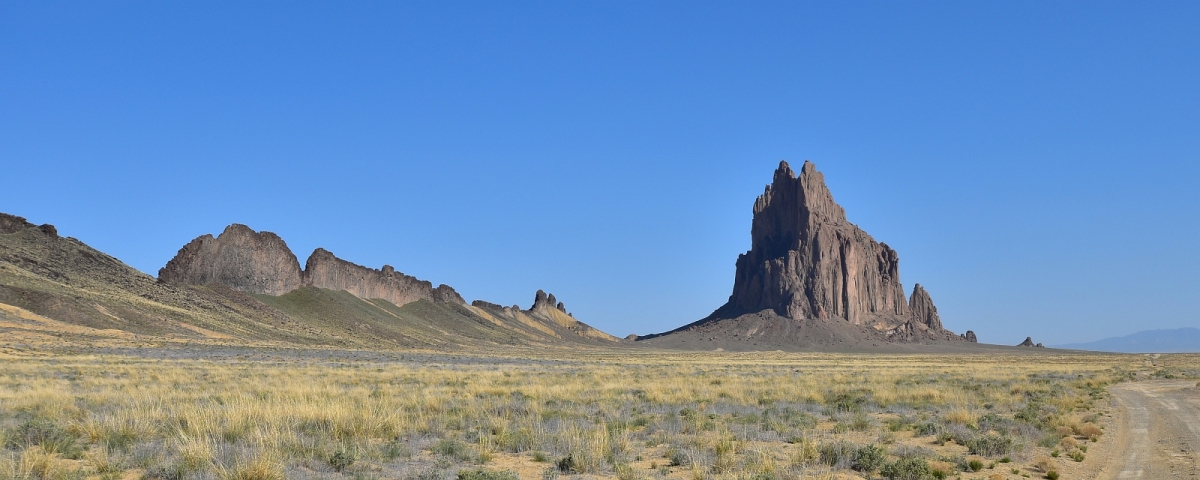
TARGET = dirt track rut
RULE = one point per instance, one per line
(1158, 431)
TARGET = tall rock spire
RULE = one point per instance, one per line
(807, 261)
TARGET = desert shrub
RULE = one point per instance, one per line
(677, 457)
(1076, 456)
(839, 454)
(847, 401)
(454, 449)
(540, 457)
(907, 469)
(1090, 431)
(990, 445)
(342, 458)
(1068, 443)
(1043, 464)
(975, 465)
(1064, 431)
(481, 474)
(941, 470)
(1052, 475)
(46, 434)
(568, 464)
(928, 428)
(869, 458)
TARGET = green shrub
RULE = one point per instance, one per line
(870, 458)
(974, 465)
(839, 454)
(568, 464)
(1052, 475)
(341, 459)
(907, 469)
(481, 474)
(990, 445)
(46, 434)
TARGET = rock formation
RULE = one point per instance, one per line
(324, 270)
(260, 262)
(1027, 343)
(14, 224)
(239, 258)
(808, 263)
(970, 337)
(922, 310)
(543, 301)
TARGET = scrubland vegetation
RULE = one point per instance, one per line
(604, 415)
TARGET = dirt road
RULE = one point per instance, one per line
(1158, 431)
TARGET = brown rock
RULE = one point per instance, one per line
(14, 224)
(807, 261)
(1027, 343)
(970, 337)
(922, 310)
(239, 258)
(324, 270)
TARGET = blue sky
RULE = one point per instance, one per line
(1036, 164)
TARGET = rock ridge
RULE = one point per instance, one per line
(239, 258)
(262, 263)
(325, 270)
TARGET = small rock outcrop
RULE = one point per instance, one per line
(325, 270)
(1027, 343)
(240, 258)
(13, 224)
(543, 301)
(970, 337)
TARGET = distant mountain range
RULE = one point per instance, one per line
(1179, 340)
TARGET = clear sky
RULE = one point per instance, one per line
(1036, 164)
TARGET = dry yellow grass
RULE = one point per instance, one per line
(604, 414)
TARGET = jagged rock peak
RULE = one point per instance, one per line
(922, 310)
(240, 258)
(970, 337)
(807, 261)
(543, 301)
(1027, 343)
(325, 270)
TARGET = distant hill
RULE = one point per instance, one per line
(247, 287)
(1179, 340)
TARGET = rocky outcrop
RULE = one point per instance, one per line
(543, 301)
(922, 310)
(1028, 343)
(807, 262)
(324, 270)
(239, 258)
(970, 337)
(14, 224)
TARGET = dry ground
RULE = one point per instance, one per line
(249, 413)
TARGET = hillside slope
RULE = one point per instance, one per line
(56, 287)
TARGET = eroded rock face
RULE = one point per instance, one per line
(543, 301)
(324, 270)
(1027, 343)
(922, 310)
(807, 261)
(14, 224)
(970, 337)
(240, 258)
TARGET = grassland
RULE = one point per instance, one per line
(521, 414)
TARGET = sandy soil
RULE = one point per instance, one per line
(1158, 431)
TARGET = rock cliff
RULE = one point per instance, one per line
(324, 270)
(239, 258)
(807, 261)
(814, 280)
